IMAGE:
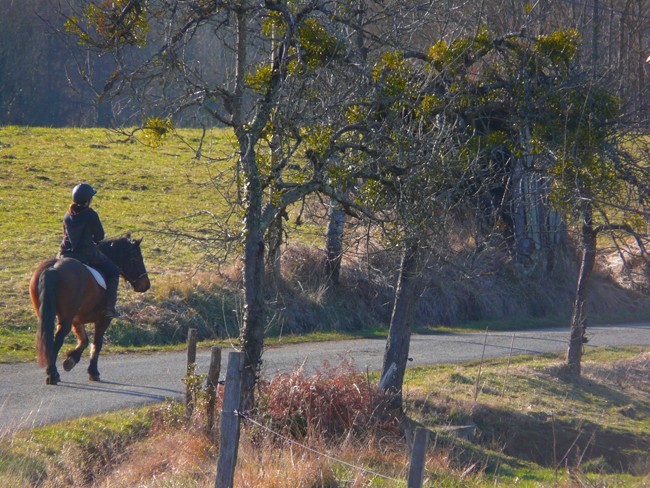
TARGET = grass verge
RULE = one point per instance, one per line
(529, 426)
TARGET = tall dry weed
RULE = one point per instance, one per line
(180, 457)
(319, 464)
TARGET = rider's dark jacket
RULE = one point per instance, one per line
(82, 231)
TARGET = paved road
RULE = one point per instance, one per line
(136, 379)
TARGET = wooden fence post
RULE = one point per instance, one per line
(229, 442)
(213, 384)
(191, 361)
(418, 458)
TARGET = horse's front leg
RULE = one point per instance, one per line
(74, 356)
(96, 348)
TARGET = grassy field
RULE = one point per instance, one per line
(142, 190)
(139, 189)
(529, 426)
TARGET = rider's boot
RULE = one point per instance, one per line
(111, 296)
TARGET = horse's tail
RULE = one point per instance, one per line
(47, 283)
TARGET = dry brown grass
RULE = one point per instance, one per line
(628, 266)
(268, 464)
(630, 375)
(172, 457)
(308, 431)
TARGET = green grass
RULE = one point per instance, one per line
(529, 401)
(57, 452)
(139, 189)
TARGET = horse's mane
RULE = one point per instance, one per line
(115, 246)
(121, 240)
(110, 240)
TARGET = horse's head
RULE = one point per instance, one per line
(127, 255)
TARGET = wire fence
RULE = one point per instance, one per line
(592, 332)
(485, 344)
(249, 419)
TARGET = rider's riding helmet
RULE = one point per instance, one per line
(83, 193)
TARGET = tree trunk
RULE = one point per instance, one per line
(274, 253)
(579, 316)
(252, 333)
(252, 327)
(522, 244)
(334, 243)
(276, 228)
(641, 93)
(399, 335)
(538, 230)
(595, 39)
(525, 217)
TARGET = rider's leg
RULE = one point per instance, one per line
(112, 275)
(112, 283)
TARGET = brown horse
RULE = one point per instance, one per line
(66, 289)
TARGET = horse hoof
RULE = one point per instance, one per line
(69, 363)
(52, 379)
(93, 377)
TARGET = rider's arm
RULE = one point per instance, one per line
(96, 228)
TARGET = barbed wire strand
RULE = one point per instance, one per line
(307, 448)
(547, 339)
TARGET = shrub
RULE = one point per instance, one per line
(332, 402)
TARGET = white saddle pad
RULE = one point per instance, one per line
(98, 276)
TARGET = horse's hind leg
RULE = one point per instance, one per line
(95, 349)
(74, 356)
(62, 330)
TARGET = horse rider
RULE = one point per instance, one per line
(82, 231)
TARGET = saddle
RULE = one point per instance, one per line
(99, 278)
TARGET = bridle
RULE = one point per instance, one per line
(128, 278)
(133, 281)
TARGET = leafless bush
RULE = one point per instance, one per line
(335, 401)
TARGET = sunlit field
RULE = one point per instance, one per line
(143, 190)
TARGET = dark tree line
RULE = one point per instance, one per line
(40, 82)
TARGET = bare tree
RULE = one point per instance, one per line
(271, 53)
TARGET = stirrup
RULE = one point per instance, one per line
(111, 313)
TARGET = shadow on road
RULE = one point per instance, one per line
(124, 389)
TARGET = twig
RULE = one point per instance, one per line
(480, 366)
(505, 379)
